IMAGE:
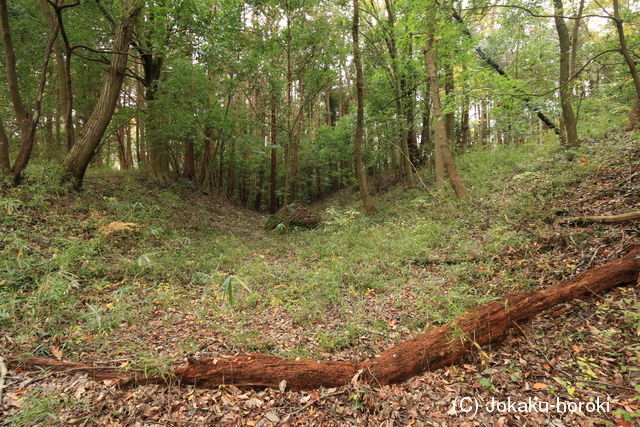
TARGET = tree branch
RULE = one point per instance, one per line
(533, 14)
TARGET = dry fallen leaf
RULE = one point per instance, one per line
(273, 417)
(56, 352)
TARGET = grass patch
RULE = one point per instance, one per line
(65, 282)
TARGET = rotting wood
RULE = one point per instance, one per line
(629, 216)
(431, 350)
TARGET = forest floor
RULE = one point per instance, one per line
(127, 273)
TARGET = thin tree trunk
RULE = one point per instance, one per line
(128, 148)
(426, 144)
(27, 121)
(361, 174)
(565, 64)
(464, 124)
(449, 118)
(257, 204)
(634, 117)
(50, 140)
(78, 158)
(405, 160)
(189, 167)
(273, 201)
(443, 153)
(410, 96)
(231, 172)
(575, 39)
(295, 149)
(286, 169)
(5, 163)
(65, 95)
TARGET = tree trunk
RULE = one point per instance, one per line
(482, 125)
(426, 145)
(50, 140)
(295, 149)
(434, 349)
(140, 130)
(405, 160)
(273, 201)
(565, 64)
(464, 125)
(257, 204)
(449, 118)
(122, 147)
(5, 163)
(27, 121)
(63, 63)
(129, 144)
(634, 117)
(189, 167)
(286, 167)
(409, 92)
(231, 172)
(361, 174)
(78, 158)
(158, 145)
(464, 116)
(443, 153)
(206, 180)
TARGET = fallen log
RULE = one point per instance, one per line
(433, 349)
(629, 216)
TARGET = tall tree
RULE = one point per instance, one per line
(78, 158)
(443, 152)
(634, 117)
(63, 64)
(564, 41)
(361, 173)
(27, 118)
(405, 161)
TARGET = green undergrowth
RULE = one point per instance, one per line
(127, 268)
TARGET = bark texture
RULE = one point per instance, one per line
(431, 350)
(568, 115)
(444, 157)
(27, 119)
(361, 174)
(624, 50)
(78, 158)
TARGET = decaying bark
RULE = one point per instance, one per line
(629, 216)
(436, 348)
